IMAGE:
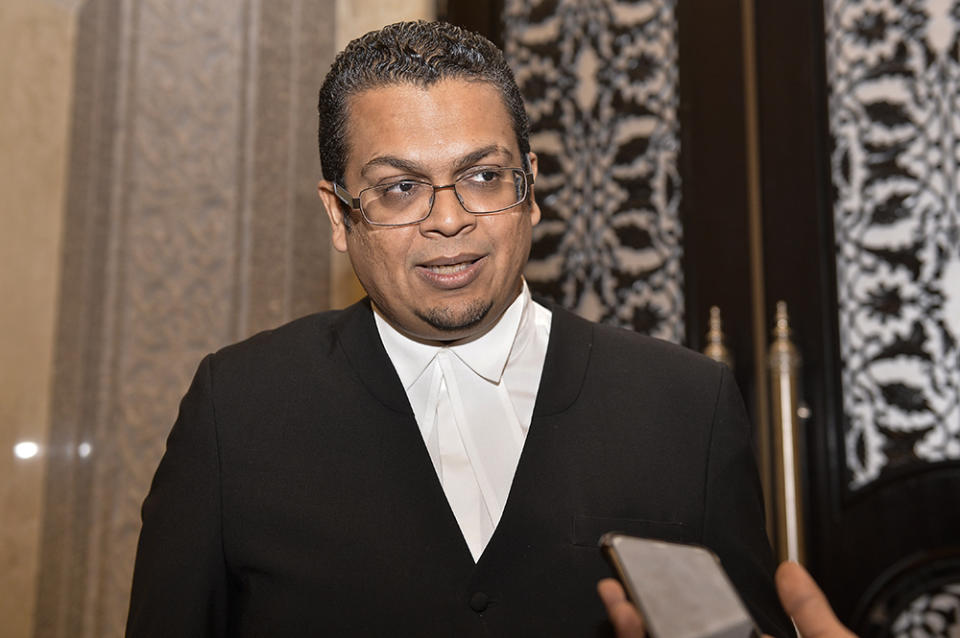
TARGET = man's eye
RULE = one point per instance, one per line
(400, 188)
(484, 177)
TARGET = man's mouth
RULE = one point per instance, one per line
(452, 272)
(452, 268)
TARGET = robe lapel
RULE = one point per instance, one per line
(565, 367)
(360, 342)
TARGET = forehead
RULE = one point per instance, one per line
(428, 125)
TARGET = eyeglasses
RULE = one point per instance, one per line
(408, 201)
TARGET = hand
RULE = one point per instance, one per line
(806, 604)
(799, 594)
(624, 617)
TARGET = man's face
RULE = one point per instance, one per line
(451, 276)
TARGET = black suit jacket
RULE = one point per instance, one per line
(296, 496)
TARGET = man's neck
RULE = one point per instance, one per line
(454, 341)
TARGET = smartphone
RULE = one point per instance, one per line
(681, 590)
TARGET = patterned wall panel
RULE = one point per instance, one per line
(600, 80)
(178, 240)
(894, 97)
(932, 614)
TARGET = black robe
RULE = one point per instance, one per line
(296, 496)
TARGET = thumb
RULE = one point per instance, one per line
(805, 602)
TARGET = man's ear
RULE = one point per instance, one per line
(534, 209)
(334, 208)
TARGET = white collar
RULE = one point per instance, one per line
(486, 355)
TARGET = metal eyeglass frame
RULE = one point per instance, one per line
(354, 202)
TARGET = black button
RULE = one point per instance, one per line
(479, 601)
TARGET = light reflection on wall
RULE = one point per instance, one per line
(26, 450)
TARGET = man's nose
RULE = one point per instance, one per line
(448, 216)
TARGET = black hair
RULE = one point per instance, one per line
(420, 53)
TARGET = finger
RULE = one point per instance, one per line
(805, 603)
(624, 617)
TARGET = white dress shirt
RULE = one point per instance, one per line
(473, 403)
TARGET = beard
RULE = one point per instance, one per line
(453, 319)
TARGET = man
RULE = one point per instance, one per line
(440, 458)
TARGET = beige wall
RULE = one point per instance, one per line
(64, 516)
(36, 76)
(356, 17)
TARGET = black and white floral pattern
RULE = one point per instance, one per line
(600, 80)
(894, 106)
(933, 615)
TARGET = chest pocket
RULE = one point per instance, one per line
(587, 530)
